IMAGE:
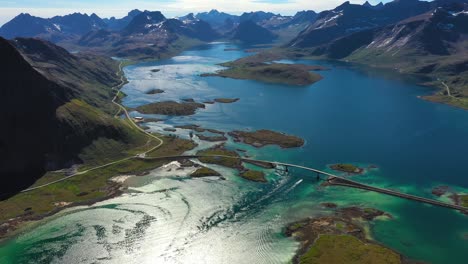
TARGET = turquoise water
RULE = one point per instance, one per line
(353, 115)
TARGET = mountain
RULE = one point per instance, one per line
(55, 105)
(55, 29)
(144, 22)
(215, 18)
(433, 44)
(256, 17)
(438, 32)
(349, 18)
(25, 25)
(78, 23)
(369, 5)
(149, 35)
(249, 32)
(301, 17)
(117, 24)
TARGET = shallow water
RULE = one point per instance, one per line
(352, 115)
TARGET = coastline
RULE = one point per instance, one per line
(56, 214)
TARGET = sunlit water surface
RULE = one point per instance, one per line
(353, 115)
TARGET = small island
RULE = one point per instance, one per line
(214, 131)
(204, 172)
(460, 199)
(290, 74)
(234, 163)
(196, 128)
(170, 108)
(155, 91)
(265, 137)
(440, 190)
(457, 198)
(212, 139)
(348, 168)
(340, 239)
(252, 175)
(226, 100)
(154, 120)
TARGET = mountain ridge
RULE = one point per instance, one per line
(39, 84)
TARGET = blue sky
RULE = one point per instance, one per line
(118, 8)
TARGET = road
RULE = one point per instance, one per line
(448, 89)
(333, 180)
(122, 108)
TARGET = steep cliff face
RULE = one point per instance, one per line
(28, 104)
(47, 118)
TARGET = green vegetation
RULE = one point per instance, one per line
(348, 168)
(120, 96)
(89, 187)
(196, 128)
(212, 139)
(214, 131)
(264, 137)
(204, 172)
(461, 102)
(226, 100)
(226, 162)
(290, 74)
(347, 250)
(155, 91)
(105, 138)
(464, 200)
(170, 108)
(296, 226)
(253, 175)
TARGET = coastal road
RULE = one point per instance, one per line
(332, 179)
(117, 88)
(448, 89)
(122, 108)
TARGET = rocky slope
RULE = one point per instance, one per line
(148, 35)
(249, 32)
(433, 44)
(117, 24)
(349, 18)
(54, 105)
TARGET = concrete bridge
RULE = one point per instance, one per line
(331, 179)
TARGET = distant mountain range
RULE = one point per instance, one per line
(120, 23)
(72, 28)
(149, 35)
(349, 18)
(56, 29)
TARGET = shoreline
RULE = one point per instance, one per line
(57, 213)
(20, 223)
